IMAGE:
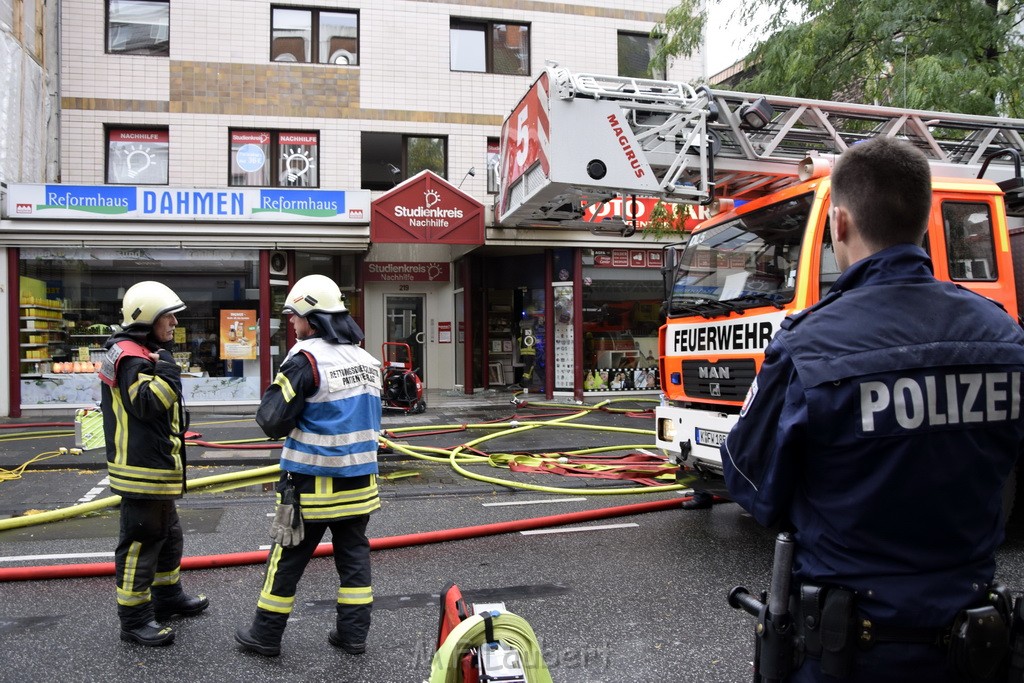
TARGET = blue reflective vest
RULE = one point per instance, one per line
(336, 435)
(882, 427)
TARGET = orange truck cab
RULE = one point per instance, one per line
(741, 272)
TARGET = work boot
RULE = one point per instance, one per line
(701, 500)
(171, 601)
(150, 634)
(264, 636)
(334, 638)
(245, 638)
(139, 626)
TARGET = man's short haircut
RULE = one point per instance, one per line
(886, 185)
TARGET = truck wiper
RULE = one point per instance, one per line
(705, 308)
(759, 299)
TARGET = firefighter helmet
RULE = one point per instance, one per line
(314, 294)
(144, 302)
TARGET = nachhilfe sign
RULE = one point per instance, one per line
(131, 202)
(429, 215)
(406, 271)
(426, 208)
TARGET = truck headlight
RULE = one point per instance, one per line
(667, 429)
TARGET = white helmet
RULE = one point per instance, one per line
(313, 294)
(144, 302)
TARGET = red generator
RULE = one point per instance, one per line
(401, 388)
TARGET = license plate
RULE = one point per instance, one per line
(707, 437)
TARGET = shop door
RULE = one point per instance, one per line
(403, 319)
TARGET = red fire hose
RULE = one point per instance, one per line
(68, 571)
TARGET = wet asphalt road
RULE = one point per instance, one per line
(633, 598)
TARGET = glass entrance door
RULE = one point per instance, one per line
(403, 320)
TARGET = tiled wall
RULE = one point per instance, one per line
(219, 75)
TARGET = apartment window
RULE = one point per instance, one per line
(314, 35)
(635, 53)
(138, 27)
(390, 158)
(137, 156)
(490, 47)
(270, 158)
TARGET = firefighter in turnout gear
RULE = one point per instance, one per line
(882, 428)
(326, 401)
(527, 349)
(144, 422)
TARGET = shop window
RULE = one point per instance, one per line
(969, 241)
(137, 156)
(295, 32)
(138, 27)
(490, 47)
(636, 50)
(263, 158)
(390, 158)
(622, 295)
(71, 299)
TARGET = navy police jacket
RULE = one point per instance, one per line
(881, 428)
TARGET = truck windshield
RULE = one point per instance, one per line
(745, 262)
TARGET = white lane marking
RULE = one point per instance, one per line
(100, 487)
(532, 502)
(265, 547)
(62, 556)
(597, 527)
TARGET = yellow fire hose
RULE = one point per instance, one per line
(456, 457)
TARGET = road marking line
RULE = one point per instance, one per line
(64, 556)
(598, 527)
(101, 485)
(532, 502)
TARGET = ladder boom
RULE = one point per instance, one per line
(577, 138)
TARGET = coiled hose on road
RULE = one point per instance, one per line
(506, 627)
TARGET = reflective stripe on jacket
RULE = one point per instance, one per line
(323, 499)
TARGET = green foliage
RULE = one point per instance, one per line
(944, 55)
(426, 153)
(666, 220)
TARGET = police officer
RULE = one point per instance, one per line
(144, 422)
(326, 399)
(881, 429)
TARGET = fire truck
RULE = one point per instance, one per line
(760, 165)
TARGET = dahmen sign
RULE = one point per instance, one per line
(426, 208)
(131, 202)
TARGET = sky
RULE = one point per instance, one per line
(727, 42)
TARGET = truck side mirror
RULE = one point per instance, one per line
(1012, 187)
(668, 269)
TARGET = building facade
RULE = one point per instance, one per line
(230, 148)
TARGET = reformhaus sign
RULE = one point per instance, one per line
(130, 202)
